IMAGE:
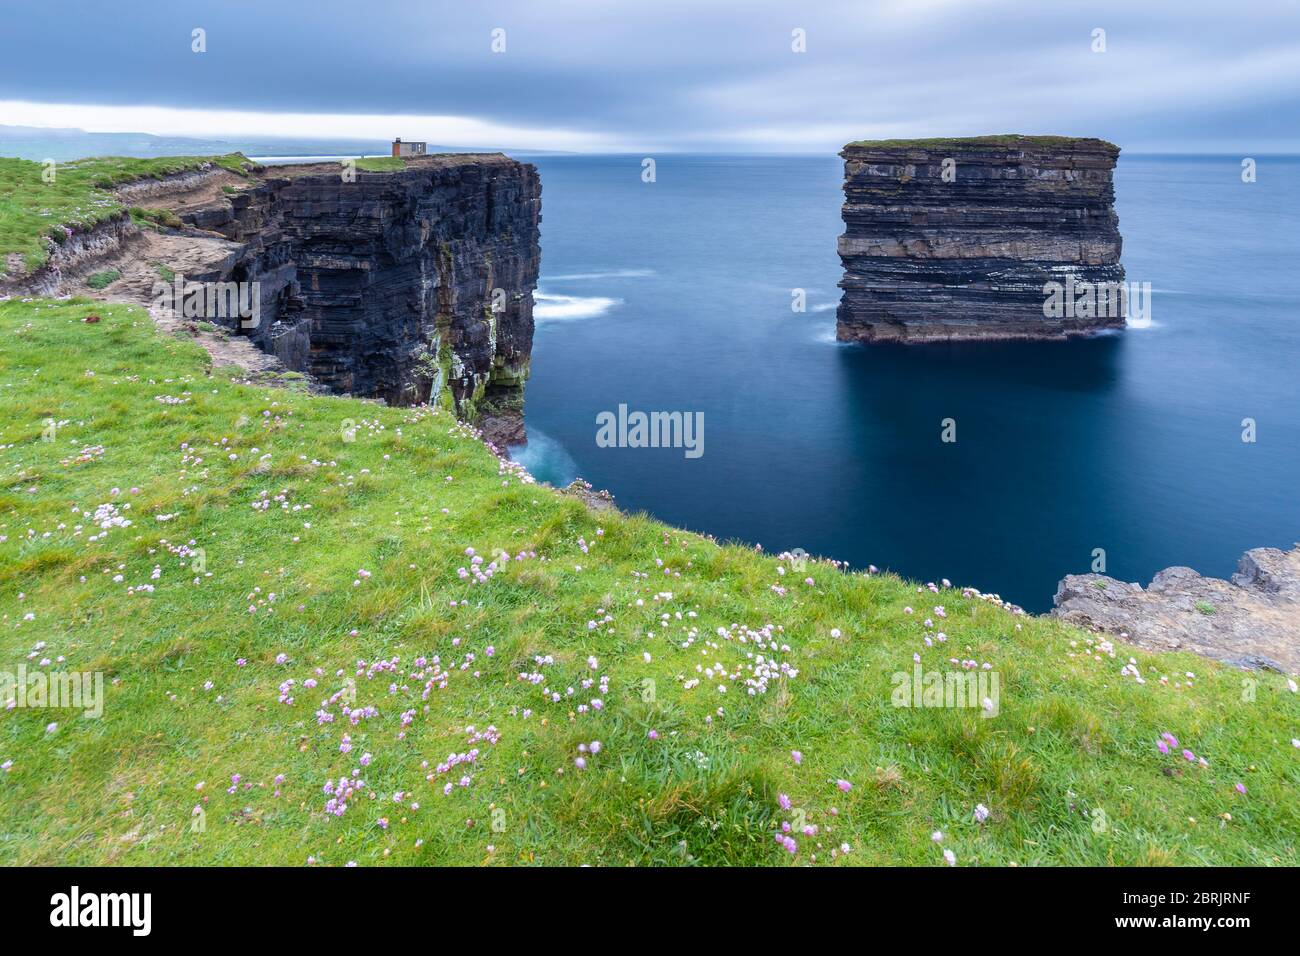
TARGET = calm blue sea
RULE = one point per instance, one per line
(676, 295)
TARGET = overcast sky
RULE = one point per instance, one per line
(662, 74)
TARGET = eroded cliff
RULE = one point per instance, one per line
(957, 238)
(408, 285)
(411, 285)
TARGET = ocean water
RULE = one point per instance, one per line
(676, 296)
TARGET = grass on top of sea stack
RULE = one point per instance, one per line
(313, 655)
(1008, 140)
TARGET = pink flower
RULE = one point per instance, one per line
(844, 785)
(797, 757)
(653, 734)
(784, 801)
(1241, 788)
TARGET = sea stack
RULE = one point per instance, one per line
(990, 237)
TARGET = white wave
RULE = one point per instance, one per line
(545, 459)
(824, 306)
(560, 308)
(827, 336)
(612, 274)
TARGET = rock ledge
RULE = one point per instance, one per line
(1251, 621)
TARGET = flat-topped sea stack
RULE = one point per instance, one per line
(951, 239)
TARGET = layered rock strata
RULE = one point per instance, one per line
(953, 239)
(412, 285)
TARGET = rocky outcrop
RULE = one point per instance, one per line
(957, 238)
(413, 285)
(1251, 621)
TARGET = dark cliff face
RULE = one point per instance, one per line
(956, 239)
(411, 286)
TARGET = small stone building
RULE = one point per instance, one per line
(407, 149)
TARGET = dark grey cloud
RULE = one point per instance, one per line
(674, 74)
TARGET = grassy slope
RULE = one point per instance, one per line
(403, 501)
(32, 210)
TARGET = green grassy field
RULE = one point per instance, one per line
(283, 620)
(36, 201)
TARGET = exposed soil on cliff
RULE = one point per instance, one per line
(153, 256)
(184, 193)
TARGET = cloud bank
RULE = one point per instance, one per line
(594, 75)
